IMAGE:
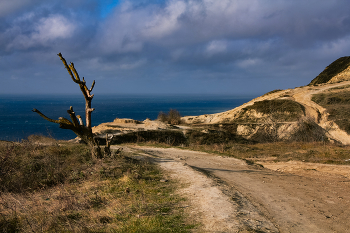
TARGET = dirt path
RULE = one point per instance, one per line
(249, 197)
(304, 95)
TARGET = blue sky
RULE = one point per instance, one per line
(238, 47)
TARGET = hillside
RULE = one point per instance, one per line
(335, 72)
(260, 187)
(316, 112)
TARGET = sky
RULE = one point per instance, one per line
(235, 47)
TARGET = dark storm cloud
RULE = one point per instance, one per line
(207, 45)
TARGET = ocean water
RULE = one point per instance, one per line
(17, 121)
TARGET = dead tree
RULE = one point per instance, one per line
(76, 124)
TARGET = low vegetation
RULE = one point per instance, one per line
(277, 110)
(273, 91)
(172, 117)
(210, 137)
(277, 105)
(315, 152)
(337, 105)
(170, 137)
(332, 70)
(50, 186)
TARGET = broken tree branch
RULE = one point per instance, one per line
(76, 124)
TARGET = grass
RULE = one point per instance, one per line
(340, 87)
(277, 105)
(282, 151)
(279, 109)
(271, 92)
(313, 152)
(337, 105)
(171, 137)
(60, 188)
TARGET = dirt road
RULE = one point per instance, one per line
(228, 195)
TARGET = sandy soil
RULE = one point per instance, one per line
(228, 195)
(304, 95)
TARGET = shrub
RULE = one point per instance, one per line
(173, 117)
(213, 137)
(170, 137)
(277, 105)
(308, 130)
(337, 105)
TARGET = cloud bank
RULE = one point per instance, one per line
(171, 46)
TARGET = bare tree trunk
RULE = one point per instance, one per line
(76, 124)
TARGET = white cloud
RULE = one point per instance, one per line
(53, 27)
(249, 63)
(44, 32)
(225, 38)
(215, 47)
(166, 21)
(97, 64)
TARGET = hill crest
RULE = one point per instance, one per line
(337, 71)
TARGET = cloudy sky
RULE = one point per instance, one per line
(238, 47)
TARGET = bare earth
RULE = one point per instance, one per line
(228, 195)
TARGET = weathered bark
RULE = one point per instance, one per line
(76, 124)
(107, 149)
(82, 84)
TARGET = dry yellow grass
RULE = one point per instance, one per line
(117, 194)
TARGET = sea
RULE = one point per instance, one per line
(17, 121)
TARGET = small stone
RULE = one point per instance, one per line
(163, 180)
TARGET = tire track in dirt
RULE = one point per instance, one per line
(261, 200)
